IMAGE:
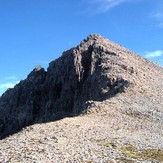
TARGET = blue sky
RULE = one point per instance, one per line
(34, 32)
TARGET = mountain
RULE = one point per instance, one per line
(97, 77)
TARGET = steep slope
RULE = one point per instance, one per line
(96, 70)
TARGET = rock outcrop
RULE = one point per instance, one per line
(95, 70)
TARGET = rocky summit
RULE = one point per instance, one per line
(81, 74)
(116, 96)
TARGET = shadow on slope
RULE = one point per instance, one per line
(70, 81)
(13, 123)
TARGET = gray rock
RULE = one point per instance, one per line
(92, 71)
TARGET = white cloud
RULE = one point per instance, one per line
(102, 6)
(153, 54)
(108, 4)
(11, 78)
(8, 82)
(7, 85)
(158, 16)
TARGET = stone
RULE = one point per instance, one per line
(95, 70)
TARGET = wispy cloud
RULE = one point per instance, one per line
(102, 6)
(11, 78)
(158, 16)
(8, 82)
(7, 85)
(154, 54)
(106, 5)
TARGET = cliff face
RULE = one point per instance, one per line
(95, 70)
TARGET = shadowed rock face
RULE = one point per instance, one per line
(95, 70)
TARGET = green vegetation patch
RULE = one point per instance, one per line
(131, 152)
(129, 148)
(152, 154)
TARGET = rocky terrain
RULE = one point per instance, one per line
(113, 101)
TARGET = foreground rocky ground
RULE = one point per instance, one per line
(102, 134)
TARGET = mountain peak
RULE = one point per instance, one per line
(94, 36)
(96, 70)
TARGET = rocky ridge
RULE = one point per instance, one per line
(81, 74)
(98, 78)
